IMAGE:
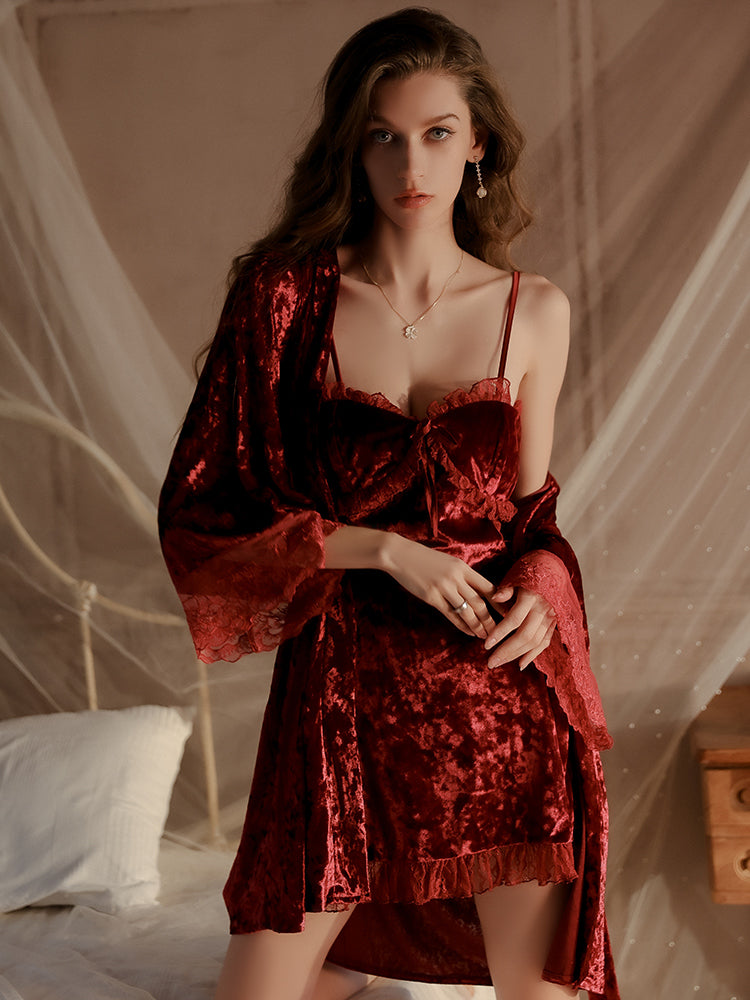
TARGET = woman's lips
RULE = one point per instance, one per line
(414, 200)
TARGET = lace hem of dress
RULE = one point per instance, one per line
(419, 881)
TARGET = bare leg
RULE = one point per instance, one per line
(518, 924)
(270, 966)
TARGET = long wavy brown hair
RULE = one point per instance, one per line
(327, 201)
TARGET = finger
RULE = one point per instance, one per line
(471, 618)
(547, 638)
(454, 612)
(529, 637)
(524, 598)
(512, 621)
(551, 631)
(480, 583)
(484, 616)
(472, 611)
(529, 658)
(526, 606)
(532, 654)
(479, 606)
(459, 623)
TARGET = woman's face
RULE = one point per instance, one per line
(417, 140)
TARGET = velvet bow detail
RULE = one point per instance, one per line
(435, 442)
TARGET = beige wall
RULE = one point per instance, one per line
(182, 116)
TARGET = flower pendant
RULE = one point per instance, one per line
(410, 332)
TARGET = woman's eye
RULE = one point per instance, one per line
(441, 133)
(380, 136)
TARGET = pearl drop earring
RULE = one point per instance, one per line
(481, 190)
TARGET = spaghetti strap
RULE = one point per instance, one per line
(508, 323)
(335, 359)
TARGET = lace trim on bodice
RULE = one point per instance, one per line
(490, 388)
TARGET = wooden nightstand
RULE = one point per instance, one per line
(721, 741)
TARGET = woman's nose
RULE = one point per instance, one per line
(411, 165)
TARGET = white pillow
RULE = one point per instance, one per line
(84, 798)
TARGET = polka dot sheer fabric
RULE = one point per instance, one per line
(645, 222)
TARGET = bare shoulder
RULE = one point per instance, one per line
(544, 304)
(543, 312)
(539, 300)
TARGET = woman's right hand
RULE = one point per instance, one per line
(441, 580)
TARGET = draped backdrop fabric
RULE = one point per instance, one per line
(641, 181)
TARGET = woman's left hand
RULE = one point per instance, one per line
(531, 620)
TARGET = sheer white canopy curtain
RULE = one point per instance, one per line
(641, 184)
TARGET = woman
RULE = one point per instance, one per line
(362, 480)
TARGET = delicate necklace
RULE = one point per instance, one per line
(410, 330)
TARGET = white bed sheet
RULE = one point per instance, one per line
(172, 951)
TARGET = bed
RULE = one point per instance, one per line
(168, 950)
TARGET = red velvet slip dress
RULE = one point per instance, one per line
(465, 768)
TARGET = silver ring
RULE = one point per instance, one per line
(461, 607)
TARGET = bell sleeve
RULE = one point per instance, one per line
(242, 540)
(546, 564)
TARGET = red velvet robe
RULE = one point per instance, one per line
(269, 461)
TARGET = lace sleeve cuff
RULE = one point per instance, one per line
(251, 594)
(565, 662)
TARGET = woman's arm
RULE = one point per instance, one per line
(529, 620)
(545, 313)
(352, 547)
(435, 577)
